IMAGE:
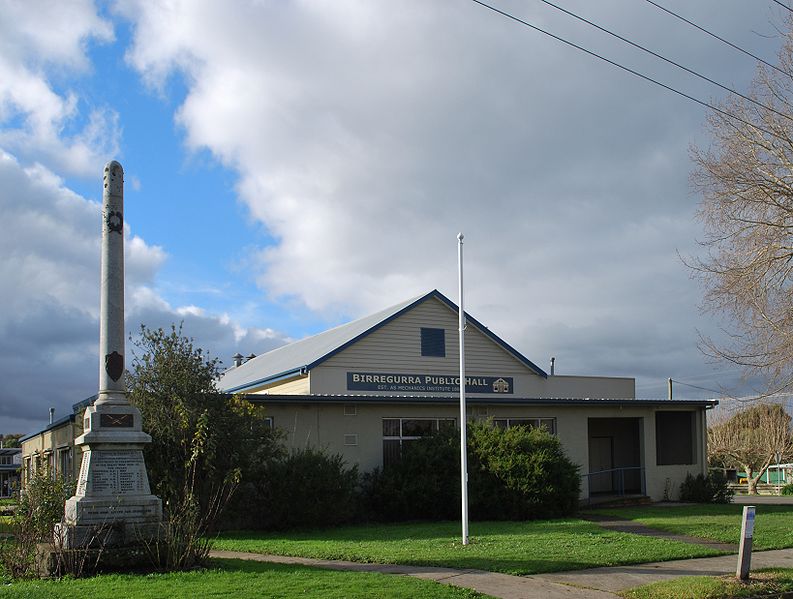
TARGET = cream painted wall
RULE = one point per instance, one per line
(299, 385)
(325, 426)
(396, 349)
(50, 441)
(581, 387)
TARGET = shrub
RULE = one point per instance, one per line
(423, 485)
(40, 507)
(521, 473)
(712, 488)
(787, 489)
(307, 488)
(513, 474)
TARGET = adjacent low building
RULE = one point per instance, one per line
(366, 388)
(10, 466)
(53, 446)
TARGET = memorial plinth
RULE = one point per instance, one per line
(112, 504)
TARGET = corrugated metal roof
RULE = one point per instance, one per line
(303, 355)
(290, 359)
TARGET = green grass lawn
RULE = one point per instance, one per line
(773, 523)
(238, 580)
(510, 547)
(768, 582)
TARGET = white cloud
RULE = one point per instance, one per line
(40, 43)
(366, 135)
(49, 269)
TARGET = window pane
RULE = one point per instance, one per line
(674, 438)
(527, 422)
(417, 428)
(433, 342)
(500, 422)
(390, 427)
(549, 424)
(446, 424)
(391, 452)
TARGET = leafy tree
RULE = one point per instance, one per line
(751, 440)
(746, 178)
(201, 438)
(11, 440)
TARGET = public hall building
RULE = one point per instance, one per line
(366, 388)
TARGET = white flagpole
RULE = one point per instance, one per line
(463, 437)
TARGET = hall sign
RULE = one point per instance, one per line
(426, 383)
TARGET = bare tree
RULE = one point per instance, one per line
(746, 180)
(751, 440)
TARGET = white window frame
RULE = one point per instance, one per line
(537, 421)
(65, 462)
(402, 438)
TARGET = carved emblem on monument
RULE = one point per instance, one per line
(115, 221)
(116, 420)
(114, 365)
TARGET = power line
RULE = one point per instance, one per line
(721, 39)
(665, 59)
(703, 388)
(629, 70)
(745, 398)
(784, 5)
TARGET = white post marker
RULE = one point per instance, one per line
(745, 549)
(463, 437)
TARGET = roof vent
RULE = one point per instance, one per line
(237, 359)
(553, 361)
(52, 415)
(251, 357)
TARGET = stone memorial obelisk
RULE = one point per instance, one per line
(112, 504)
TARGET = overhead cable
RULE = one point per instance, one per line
(721, 39)
(665, 59)
(631, 71)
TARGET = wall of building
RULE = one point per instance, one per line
(298, 385)
(395, 348)
(328, 426)
(46, 447)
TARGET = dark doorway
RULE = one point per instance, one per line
(615, 460)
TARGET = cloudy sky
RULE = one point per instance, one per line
(291, 165)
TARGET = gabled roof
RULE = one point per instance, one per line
(301, 356)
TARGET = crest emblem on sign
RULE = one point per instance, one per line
(114, 365)
(500, 386)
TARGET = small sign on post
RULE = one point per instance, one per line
(745, 549)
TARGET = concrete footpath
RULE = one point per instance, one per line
(595, 582)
